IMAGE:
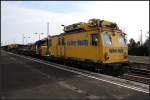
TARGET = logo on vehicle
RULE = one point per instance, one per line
(113, 50)
(77, 42)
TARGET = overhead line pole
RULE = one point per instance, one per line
(149, 53)
(141, 37)
(47, 37)
(23, 38)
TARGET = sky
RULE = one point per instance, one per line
(29, 17)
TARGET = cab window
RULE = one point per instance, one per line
(107, 39)
(94, 39)
(50, 42)
(61, 41)
(122, 41)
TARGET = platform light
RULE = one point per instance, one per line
(62, 25)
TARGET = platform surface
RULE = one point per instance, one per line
(27, 79)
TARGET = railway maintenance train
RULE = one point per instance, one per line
(99, 44)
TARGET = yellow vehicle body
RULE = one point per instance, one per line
(33, 47)
(12, 46)
(43, 50)
(80, 46)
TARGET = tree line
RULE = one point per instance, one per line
(138, 48)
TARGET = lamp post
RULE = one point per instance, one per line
(63, 25)
(23, 38)
(35, 33)
(29, 38)
(62, 43)
(39, 34)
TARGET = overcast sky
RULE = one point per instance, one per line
(28, 17)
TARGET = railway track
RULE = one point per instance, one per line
(136, 78)
(138, 72)
(135, 73)
(140, 68)
(141, 71)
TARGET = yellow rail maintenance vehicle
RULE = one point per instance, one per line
(43, 47)
(97, 42)
(39, 48)
(12, 47)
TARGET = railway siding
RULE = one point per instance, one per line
(138, 59)
(139, 64)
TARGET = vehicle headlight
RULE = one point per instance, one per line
(106, 56)
(125, 55)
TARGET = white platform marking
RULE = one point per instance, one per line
(87, 75)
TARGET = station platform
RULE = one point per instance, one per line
(26, 79)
